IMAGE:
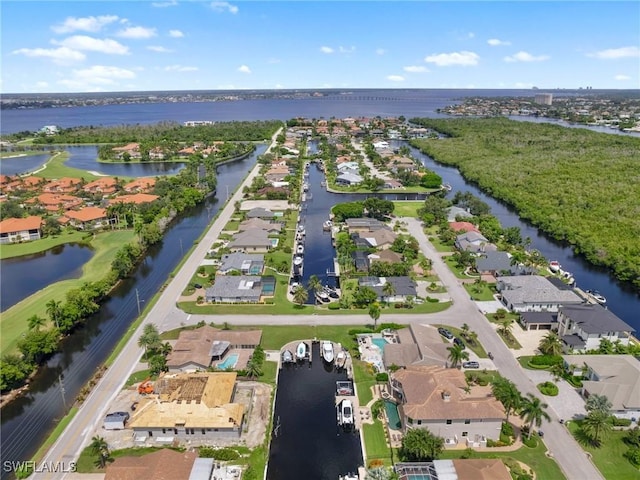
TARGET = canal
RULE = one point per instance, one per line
(307, 441)
(27, 421)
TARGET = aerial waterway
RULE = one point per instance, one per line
(27, 421)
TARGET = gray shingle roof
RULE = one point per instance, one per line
(240, 261)
(522, 289)
(595, 319)
(253, 237)
(243, 287)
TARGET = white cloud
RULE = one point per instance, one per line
(244, 69)
(180, 68)
(84, 42)
(170, 3)
(615, 53)
(60, 55)
(380, 51)
(395, 78)
(324, 49)
(159, 49)
(350, 49)
(224, 7)
(415, 69)
(622, 77)
(86, 24)
(176, 33)
(93, 78)
(526, 57)
(137, 32)
(463, 58)
(495, 42)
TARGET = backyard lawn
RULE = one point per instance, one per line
(37, 246)
(375, 442)
(407, 208)
(482, 292)
(56, 168)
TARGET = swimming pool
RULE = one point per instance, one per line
(379, 342)
(392, 414)
(229, 362)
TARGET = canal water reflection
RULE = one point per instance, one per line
(309, 444)
(85, 158)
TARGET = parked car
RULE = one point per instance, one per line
(445, 333)
(459, 342)
(471, 364)
(197, 285)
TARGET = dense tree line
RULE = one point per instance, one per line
(165, 132)
(578, 186)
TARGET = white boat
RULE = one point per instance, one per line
(341, 359)
(327, 225)
(323, 297)
(597, 296)
(301, 351)
(304, 197)
(327, 351)
(287, 356)
(554, 266)
(305, 187)
(300, 249)
(297, 260)
(301, 229)
(294, 286)
(345, 413)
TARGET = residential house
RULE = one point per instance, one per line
(87, 218)
(198, 349)
(458, 469)
(252, 240)
(140, 185)
(357, 225)
(62, 185)
(436, 398)
(12, 184)
(616, 377)
(240, 289)
(259, 212)
(135, 198)
(453, 213)
(55, 202)
(157, 153)
(131, 149)
(402, 287)
(163, 464)
(474, 242)
(380, 238)
(533, 293)
(188, 407)
(245, 263)
(392, 184)
(385, 256)
(493, 263)
(259, 223)
(104, 186)
(349, 179)
(416, 345)
(463, 227)
(360, 260)
(582, 327)
(397, 163)
(539, 320)
(20, 229)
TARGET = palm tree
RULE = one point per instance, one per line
(457, 353)
(465, 330)
(54, 310)
(374, 313)
(100, 448)
(598, 403)
(300, 295)
(314, 284)
(389, 290)
(505, 327)
(597, 425)
(508, 394)
(35, 322)
(253, 369)
(150, 339)
(533, 412)
(551, 344)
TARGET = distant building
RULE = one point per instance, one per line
(543, 98)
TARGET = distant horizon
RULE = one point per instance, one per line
(87, 46)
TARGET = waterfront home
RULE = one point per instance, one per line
(157, 153)
(62, 185)
(616, 377)
(390, 183)
(259, 223)
(131, 149)
(360, 260)
(582, 327)
(416, 345)
(533, 293)
(162, 464)
(245, 263)
(86, 218)
(135, 198)
(436, 398)
(402, 287)
(253, 240)
(357, 225)
(380, 238)
(458, 469)
(105, 186)
(463, 227)
(474, 242)
(189, 406)
(240, 289)
(14, 230)
(349, 179)
(454, 213)
(260, 212)
(198, 349)
(140, 185)
(493, 263)
(538, 320)
(385, 256)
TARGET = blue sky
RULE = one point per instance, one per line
(75, 46)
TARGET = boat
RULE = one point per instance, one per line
(345, 413)
(597, 296)
(305, 187)
(341, 359)
(344, 388)
(446, 187)
(323, 297)
(554, 266)
(301, 229)
(326, 226)
(323, 183)
(300, 249)
(297, 260)
(287, 356)
(327, 351)
(304, 197)
(294, 286)
(301, 351)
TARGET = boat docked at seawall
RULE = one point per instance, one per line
(597, 296)
(341, 359)
(554, 266)
(344, 411)
(300, 249)
(287, 356)
(326, 226)
(302, 351)
(327, 351)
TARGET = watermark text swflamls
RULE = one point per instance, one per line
(38, 467)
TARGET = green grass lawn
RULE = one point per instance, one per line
(477, 348)
(13, 321)
(609, 457)
(137, 377)
(375, 442)
(36, 246)
(232, 226)
(453, 266)
(365, 379)
(432, 235)
(407, 208)
(56, 168)
(545, 468)
(26, 153)
(481, 293)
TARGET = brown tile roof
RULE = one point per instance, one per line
(425, 387)
(87, 214)
(11, 225)
(140, 184)
(164, 464)
(102, 184)
(481, 469)
(463, 227)
(385, 256)
(136, 198)
(56, 200)
(130, 147)
(65, 184)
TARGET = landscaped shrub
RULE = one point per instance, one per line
(621, 422)
(382, 377)
(506, 429)
(530, 442)
(547, 360)
(222, 454)
(334, 306)
(633, 455)
(548, 388)
(355, 331)
(574, 381)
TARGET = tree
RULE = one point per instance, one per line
(508, 394)
(420, 445)
(37, 344)
(389, 290)
(374, 313)
(35, 322)
(13, 371)
(550, 344)
(596, 425)
(505, 327)
(51, 227)
(533, 411)
(54, 310)
(100, 449)
(157, 363)
(364, 296)
(457, 354)
(253, 369)
(465, 330)
(598, 403)
(314, 284)
(300, 295)
(150, 339)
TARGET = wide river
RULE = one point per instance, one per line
(26, 422)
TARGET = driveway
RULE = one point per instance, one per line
(568, 404)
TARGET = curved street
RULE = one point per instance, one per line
(571, 458)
